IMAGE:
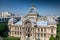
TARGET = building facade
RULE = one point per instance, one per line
(32, 26)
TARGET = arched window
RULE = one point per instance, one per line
(27, 24)
(52, 27)
(51, 30)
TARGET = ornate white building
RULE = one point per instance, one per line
(32, 26)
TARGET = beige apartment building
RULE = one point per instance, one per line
(32, 26)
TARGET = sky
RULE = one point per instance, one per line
(21, 7)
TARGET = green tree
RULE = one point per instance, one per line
(52, 38)
(58, 32)
(12, 38)
(3, 30)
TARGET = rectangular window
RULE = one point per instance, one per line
(2, 19)
(38, 34)
(51, 30)
(41, 35)
(20, 33)
(15, 32)
(41, 29)
(12, 32)
(44, 35)
(44, 29)
(20, 28)
(38, 30)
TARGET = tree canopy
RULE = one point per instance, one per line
(52, 38)
(3, 30)
(12, 38)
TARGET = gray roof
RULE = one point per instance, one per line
(38, 23)
(13, 20)
(19, 23)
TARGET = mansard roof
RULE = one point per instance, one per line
(12, 20)
(43, 22)
(19, 23)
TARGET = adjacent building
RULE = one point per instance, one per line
(32, 26)
(5, 16)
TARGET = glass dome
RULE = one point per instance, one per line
(32, 9)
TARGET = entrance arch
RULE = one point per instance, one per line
(28, 30)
